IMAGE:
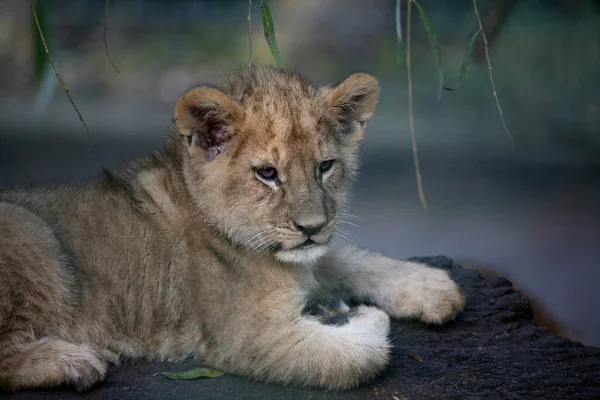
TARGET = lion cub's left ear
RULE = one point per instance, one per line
(354, 100)
(208, 119)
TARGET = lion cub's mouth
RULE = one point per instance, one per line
(307, 243)
(311, 244)
(307, 251)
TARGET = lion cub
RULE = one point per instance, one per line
(211, 249)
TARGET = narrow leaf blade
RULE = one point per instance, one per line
(434, 43)
(466, 61)
(193, 373)
(269, 29)
(399, 43)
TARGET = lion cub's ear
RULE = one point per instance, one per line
(354, 100)
(208, 118)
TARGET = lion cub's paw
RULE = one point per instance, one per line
(426, 293)
(367, 316)
(367, 343)
(54, 362)
(87, 368)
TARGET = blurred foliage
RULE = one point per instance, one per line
(545, 58)
(269, 28)
(466, 61)
(428, 23)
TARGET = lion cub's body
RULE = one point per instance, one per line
(196, 251)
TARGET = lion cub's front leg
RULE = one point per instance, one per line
(402, 289)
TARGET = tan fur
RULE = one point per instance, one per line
(191, 252)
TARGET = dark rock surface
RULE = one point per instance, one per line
(493, 350)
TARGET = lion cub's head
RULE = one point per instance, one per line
(269, 157)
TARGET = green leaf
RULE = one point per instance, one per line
(40, 59)
(269, 28)
(466, 61)
(434, 43)
(399, 45)
(193, 373)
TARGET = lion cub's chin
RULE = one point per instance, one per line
(307, 255)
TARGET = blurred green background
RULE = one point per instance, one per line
(532, 213)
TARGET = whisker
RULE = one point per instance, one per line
(345, 238)
(348, 234)
(259, 243)
(351, 227)
(257, 235)
(347, 214)
(256, 239)
(341, 221)
(262, 243)
(267, 244)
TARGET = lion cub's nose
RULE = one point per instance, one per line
(310, 226)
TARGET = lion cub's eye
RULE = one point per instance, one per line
(325, 166)
(267, 173)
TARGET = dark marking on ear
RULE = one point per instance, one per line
(348, 111)
(348, 107)
(213, 130)
(208, 118)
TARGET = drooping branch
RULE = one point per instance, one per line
(104, 37)
(411, 122)
(58, 76)
(491, 74)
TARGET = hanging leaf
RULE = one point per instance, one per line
(491, 74)
(193, 374)
(434, 43)
(269, 28)
(466, 61)
(399, 59)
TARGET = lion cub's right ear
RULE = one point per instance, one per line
(208, 118)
